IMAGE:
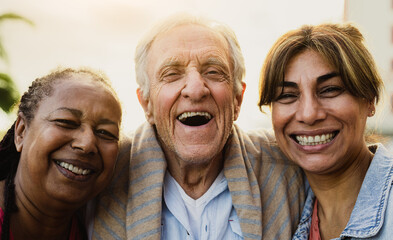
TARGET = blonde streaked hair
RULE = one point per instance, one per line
(341, 45)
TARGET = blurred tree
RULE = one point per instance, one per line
(8, 92)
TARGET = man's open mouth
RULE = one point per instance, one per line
(194, 118)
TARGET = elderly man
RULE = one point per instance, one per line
(189, 172)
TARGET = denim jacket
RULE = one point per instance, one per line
(372, 216)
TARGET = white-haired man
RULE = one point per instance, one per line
(189, 172)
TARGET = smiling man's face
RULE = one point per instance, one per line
(191, 102)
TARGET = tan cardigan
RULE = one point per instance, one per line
(267, 190)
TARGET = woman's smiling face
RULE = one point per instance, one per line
(318, 124)
(69, 149)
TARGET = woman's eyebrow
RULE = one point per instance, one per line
(287, 84)
(73, 111)
(320, 79)
(107, 121)
(79, 113)
(326, 76)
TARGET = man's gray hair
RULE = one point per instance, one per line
(144, 45)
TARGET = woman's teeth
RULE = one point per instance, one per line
(315, 140)
(73, 168)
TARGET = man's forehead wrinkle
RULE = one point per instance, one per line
(207, 57)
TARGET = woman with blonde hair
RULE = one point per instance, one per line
(322, 85)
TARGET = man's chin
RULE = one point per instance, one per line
(196, 156)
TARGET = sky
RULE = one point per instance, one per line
(103, 34)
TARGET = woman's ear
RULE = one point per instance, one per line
(20, 131)
(371, 109)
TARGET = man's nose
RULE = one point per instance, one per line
(195, 86)
(84, 141)
(310, 110)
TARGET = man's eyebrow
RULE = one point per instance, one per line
(325, 77)
(214, 61)
(170, 63)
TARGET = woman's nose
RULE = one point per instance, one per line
(310, 110)
(85, 141)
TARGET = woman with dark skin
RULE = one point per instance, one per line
(322, 85)
(59, 153)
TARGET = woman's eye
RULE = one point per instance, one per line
(286, 98)
(331, 91)
(66, 123)
(106, 135)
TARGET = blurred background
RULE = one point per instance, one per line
(38, 36)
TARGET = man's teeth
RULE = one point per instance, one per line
(315, 140)
(185, 115)
(73, 168)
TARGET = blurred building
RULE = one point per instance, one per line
(375, 20)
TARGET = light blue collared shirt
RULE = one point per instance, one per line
(372, 216)
(218, 221)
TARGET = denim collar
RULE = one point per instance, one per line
(368, 214)
(367, 217)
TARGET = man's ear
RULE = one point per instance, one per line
(145, 103)
(238, 101)
(20, 131)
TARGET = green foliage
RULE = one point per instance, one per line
(8, 92)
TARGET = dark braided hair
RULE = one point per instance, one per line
(9, 159)
(40, 89)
